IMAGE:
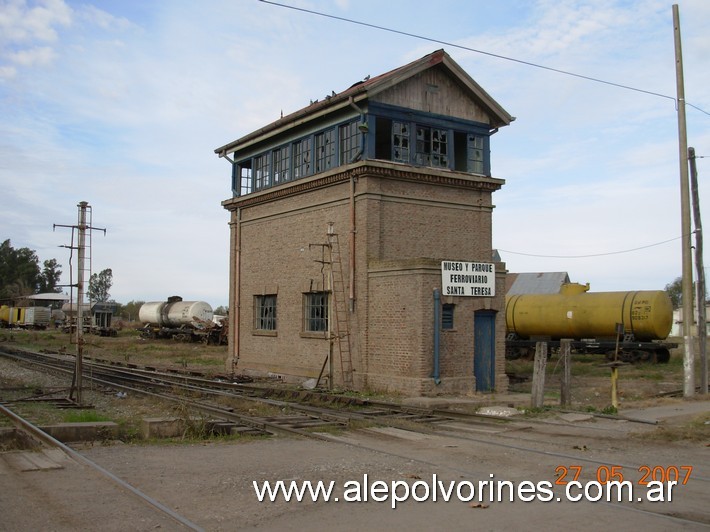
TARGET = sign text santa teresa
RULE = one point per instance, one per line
(468, 278)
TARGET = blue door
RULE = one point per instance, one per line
(484, 341)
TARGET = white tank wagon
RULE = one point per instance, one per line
(174, 312)
(180, 320)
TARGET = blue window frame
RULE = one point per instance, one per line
(350, 143)
(399, 135)
(281, 163)
(325, 150)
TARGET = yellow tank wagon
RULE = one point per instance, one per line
(591, 319)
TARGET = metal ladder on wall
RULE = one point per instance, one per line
(340, 311)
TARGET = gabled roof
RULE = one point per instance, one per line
(372, 86)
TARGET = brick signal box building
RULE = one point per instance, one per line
(354, 222)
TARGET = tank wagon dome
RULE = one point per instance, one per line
(174, 312)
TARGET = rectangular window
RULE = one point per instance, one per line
(475, 154)
(432, 148)
(281, 163)
(241, 179)
(302, 158)
(400, 142)
(262, 177)
(423, 147)
(265, 313)
(447, 316)
(439, 148)
(315, 311)
(349, 142)
(383, 138)
(325, 150)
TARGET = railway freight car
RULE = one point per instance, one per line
(96, 317)
(181, 320)
(636, 322)
(25, 317)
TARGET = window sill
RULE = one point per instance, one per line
(263, 332)
(319, 335)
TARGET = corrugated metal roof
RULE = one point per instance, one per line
(537, 283)
(49, 296)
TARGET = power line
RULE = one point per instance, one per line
(591, 255)
(483, 52)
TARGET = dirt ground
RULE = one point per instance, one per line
(210, 483)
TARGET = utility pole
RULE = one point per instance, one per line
(700, 269)
(687, 283)
(82, 227)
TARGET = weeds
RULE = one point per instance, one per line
(84, 416)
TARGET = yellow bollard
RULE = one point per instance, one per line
(615, 365)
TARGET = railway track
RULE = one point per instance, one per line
(214, 396)
(307, 412)
(36, 434)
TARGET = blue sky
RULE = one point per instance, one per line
(121, 104)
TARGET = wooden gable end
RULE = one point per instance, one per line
(435, 91)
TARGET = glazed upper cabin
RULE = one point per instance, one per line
(429, 113)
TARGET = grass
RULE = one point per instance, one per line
(37, 412)
(695, 430)
(126, 347)
(84, 416)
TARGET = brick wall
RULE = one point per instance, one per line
(407, 221)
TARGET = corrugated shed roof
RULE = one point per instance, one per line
(49, 296)
(537, 282)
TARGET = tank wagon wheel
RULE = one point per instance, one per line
(662, 356)
(512, 353)
(631, 356)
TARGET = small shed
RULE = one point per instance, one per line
(536, 282)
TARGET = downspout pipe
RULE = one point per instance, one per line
(353, 231)
(235, 263)
(437, 338)
(353, 227)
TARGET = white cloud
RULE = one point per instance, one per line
(21, 23)
(132, 99)
(26, 31)
(40, 55)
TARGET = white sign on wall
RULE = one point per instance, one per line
(468, 278)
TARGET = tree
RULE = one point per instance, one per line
(675, 292)
(221, 311)
(19, 271)
(49, 278)
(99, 286)
(129, 311)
